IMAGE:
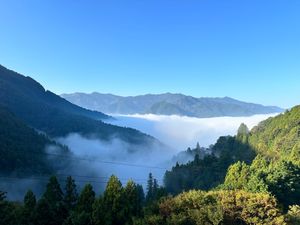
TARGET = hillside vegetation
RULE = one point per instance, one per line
(279, 137)
(22, 149)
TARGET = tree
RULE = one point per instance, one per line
(82, 214)
(149, 195)
(28, 210)
(241, 207)
(132, 203)
(217, 207)
(71, 195)
(109, 209)
(44, 214)
(284, 182)
(7, 211)
(293, 215)
(2, 196)
(141, 198)
(243, 133)
(53, 198)
(237, 176)
(155, 189)
(53, 193)
(198, 148)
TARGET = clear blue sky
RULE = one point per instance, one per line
(248, 50)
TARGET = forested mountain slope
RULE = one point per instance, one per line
(49, 113)
(279, 136)
(22, 149)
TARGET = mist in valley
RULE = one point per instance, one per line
(181, 132)
(93, 161)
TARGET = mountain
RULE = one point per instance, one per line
(18, 91)
(168, 104)
(49, 113)
(22, 149)
(278, 137)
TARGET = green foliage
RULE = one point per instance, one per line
(242, 176)
(283, 180)
(279, 137)
(216, 207)
(53, 193)
(293, 215)
(280, 178)
(132, 205)
(82, 214)
(243, 133)
(150, 194)
(118, 205)
(154, 191)
(50, 208)
(123, 206)
(71, 195)
(210, 171)
(109, 209)
(44, 215)
(28, 210)
(7, 211)
(237, 176)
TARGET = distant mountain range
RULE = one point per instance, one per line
(168, 104)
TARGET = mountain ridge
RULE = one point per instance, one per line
(168, 104)
(47, 112)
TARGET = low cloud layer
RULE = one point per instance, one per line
(101, 159)
(181, 132)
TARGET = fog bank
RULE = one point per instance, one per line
(181, 132)
(100, 159)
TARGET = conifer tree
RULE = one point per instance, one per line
(53, 198)
(155, 189)
(53, 194)
(131, 203)
(44, 215)
(149, 196)
(71, 195)
(110, 208)
(28, 209)
(82, 214)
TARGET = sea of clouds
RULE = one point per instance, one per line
(180, 132)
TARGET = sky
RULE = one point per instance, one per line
(249, 50)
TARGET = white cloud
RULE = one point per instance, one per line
(181, 132)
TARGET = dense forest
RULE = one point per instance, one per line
(23, 149)
(120, 205)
